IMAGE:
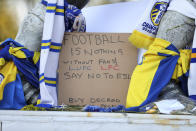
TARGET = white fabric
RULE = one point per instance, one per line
(185, 8)
(146, 19)
(167, 106)
(53, 30)
(57, 21)
(117, 17)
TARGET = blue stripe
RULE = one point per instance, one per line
(193, 97)
(136, 109)
(193, 60)
(56, 44)
(153, 11)
(59, 13)
(173, 48)
(50, 79)
(53, 85)
(162, 54)
(51, 4)
(45, 47)
(60, 7)
(10, 40)
(194, 50)
(161, 79)
(50, 11)
(46, 41)
(41, 75)
(65, 4)
(44, 2)
(41, 81)
(54, 50)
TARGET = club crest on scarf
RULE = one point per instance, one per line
(157, 12)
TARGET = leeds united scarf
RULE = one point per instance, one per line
(153, 73)
(60, 17)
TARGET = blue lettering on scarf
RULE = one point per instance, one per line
(149, 28)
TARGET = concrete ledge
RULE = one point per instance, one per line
(74, 121)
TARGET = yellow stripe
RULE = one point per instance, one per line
(17, 52)
(38, 101)
(154, 10)
(46, 44)
(51, 7)
(36, 57)
(41, 78)
(55, 47)
(9, 72)
(193, 55)
(135, 94)
(50, 82)
(2, 62)
(60, 10)
(140, 40)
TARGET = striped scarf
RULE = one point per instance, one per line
(60, 17)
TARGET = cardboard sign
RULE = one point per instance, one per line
(95, 69)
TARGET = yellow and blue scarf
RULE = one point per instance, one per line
(162, 61)
(13, 58)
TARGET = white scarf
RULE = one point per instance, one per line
(57, 21)
(53, 33)
(148, 26)
(185, 8)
